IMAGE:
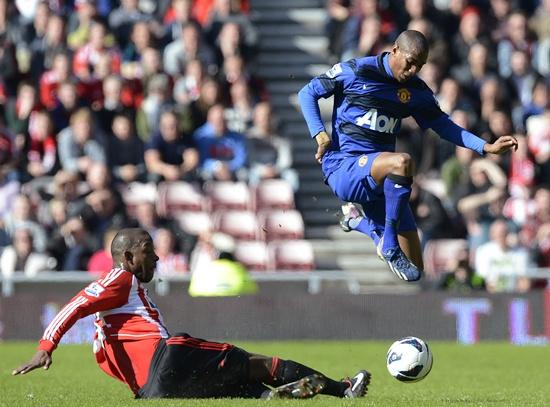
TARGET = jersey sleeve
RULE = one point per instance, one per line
(426, 110)
(322, 86)
(109, 292)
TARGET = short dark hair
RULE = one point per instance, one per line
(413, 41)
(127, 240)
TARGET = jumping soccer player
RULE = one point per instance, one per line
(133, 345)
(371, 96)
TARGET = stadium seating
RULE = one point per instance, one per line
(175, 197)
(292, 255)
(239, 224)
(274, 194)
(195, 223)
(229, 195)
(254, 255)
(136, 193)
(283, 224)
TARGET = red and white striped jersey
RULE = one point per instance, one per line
(129, 325)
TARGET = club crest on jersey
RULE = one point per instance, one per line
(363, 160)
(404, 95)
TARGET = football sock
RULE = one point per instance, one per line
(288, 371)
(364, 226)
(397, 189)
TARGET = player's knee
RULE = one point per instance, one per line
(402, 163)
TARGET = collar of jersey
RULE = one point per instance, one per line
(384, 64)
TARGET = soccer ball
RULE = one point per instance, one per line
(409, 359)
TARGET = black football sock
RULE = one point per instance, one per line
(288, 371)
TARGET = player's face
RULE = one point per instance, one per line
(145, 261)
(405, 64)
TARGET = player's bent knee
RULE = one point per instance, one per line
(402, 161)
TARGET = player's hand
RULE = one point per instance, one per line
(323, 144)
(40, 359)
(501, 145)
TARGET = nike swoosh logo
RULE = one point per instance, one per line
(398, 186)
(359, 380)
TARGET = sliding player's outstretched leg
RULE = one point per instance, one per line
(291, 379)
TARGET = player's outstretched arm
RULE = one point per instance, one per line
(501, 145)
(40, 359)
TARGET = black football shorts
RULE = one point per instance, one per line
(187, 367)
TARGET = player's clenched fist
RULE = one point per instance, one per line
(323, 143)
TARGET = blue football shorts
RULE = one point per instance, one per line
(351, 180)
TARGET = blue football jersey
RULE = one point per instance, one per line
(369, 105)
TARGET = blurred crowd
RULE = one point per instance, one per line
(489, 68)
(98, 94)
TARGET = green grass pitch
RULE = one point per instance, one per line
(489, 374)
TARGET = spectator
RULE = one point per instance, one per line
(87, 57)
(522, 78)
(222, 152)
(187, 88)
(369, 40)
(472, 73)
(227, 11)
(239, 116)
(156, 101)
(234, 69)
(10, 36)
(126, 152)
(148, 219)
(112, 103)
(141, 39)
(21, 217)
(459, 276)
(80, 22)
(21, 256)
(478, 198)
(269, 155)
(431, 217)
(338, 15)
(101, 261)
(231, 43)
(78, 149)
(124, 19)
(35, 41)
(193, 115)
(42, 149)
(450, 97)
(517, 38)
(77, 246)
(19, 112)
(179, 15)
(170, 262)
(170, 155)
(67, 104)
(501, 263)
(188, 47)
(50, 80)
(469, 32)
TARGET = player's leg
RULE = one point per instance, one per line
(410, 244)
(395, 171)
(290, 377)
